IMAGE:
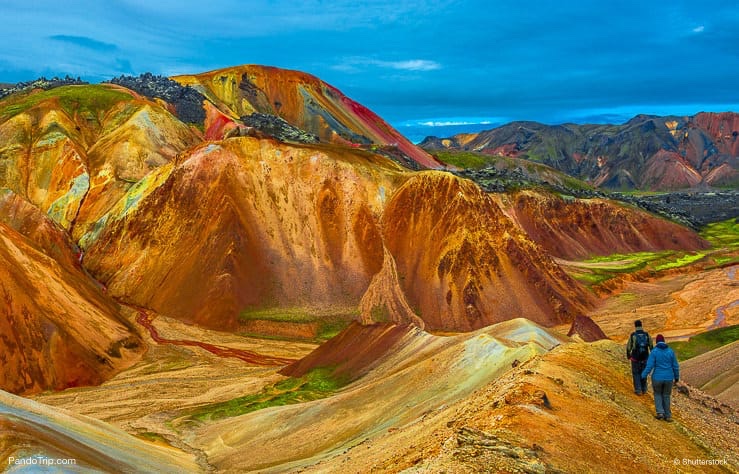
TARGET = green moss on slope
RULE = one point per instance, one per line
(316, 384)
(87, 100)
(705, 342)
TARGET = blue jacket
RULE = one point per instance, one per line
(662, 359)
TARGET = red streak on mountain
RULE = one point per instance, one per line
(217, 124)
(144, 319)
(387, 134)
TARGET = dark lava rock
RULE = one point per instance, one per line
(695, 209)
(278, 128)
(188, 102)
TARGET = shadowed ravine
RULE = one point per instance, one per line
(144, 319)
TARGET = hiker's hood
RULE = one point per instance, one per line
(662, 345)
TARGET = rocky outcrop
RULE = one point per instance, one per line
(186, 101)
(273, 126)
(695, 209)
(40, 83)
(586, 329)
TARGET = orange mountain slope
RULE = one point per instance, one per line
(58, 329)
(302, 100)
(246, 224)
(46, 235)
(580, 228)
(463, 262)
(307, 226)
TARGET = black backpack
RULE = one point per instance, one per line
(641, 346)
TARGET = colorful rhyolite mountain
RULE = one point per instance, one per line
(111, 199)
(647, 152)
(302, 100)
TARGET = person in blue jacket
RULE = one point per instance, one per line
(666, 371)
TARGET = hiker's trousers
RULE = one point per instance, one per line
(662, 393)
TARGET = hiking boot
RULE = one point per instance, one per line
(668, 419)
(660, 416)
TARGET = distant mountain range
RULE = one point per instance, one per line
(647, 152)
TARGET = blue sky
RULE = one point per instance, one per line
(425, 66)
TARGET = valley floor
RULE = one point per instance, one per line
(567, 410)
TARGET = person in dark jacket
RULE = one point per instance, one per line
(666, 371)
(637, 351)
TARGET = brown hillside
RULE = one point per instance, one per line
(464, 264)
(57, 329)
(579, 228)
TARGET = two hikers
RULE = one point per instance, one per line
(637, 351)
(666, 371)
(646, 358)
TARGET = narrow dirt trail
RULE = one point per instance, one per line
(146, 320)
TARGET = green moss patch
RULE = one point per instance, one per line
(705, 342)
(318, 383)
(464, 159)
(722, 234)
(600, 269)
(87, 100)
(325, 323)
(152, 437)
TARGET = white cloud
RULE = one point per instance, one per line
(450, 123)
(355, 64)
(453, 121)
(410, 65)
(699, 29)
